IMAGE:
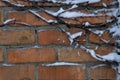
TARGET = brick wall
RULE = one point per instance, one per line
(25, 49)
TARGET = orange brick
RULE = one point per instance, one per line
(31, 55)
(1, 17)
(1, 54)
(58, 37)
(29, 18)
(94, 38)
(73, 55)
(103, 73)
(16, 37)
(62, 73)
(17, 73)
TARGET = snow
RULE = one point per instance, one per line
(15, 4)
(104, 4)
(61, 64)
(70, 14)
(115, 30)
(74, 1)
(78, 53)
(60, 11)
(8, 21)
(98, 32)
(73, 36)
(112, 57)
(39, 16)
(87, 24)
(7, 64)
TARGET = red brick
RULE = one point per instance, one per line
(1, 17)
(62, 73)
(58, 37)
(104, 50)
(16, 37)
(94, 20)
(31, 55)
(107, 2)
(26, 3)
(73, 55)
(94, 38)
(1, 54)
(103, 73)
(29, 18)
(17, 73)
(2, 3)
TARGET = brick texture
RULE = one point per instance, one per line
(57, 37)
(33, 21)
(103, 73)
(61, 73)
(104, 50)
(105, 38)
(32, 55)
(16, 37)
(29, 43)
(17, 73)
(1, 17)
(74, 55)
(94, 20)
(26, 3)
(1, 54)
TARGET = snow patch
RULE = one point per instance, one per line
(61, 64)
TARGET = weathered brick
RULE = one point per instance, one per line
(62, 73)
(57, 37)
(16, 37)
(2, 3)
(31, 55)
(73, 55)
(104, 50)
(26, 3)
(103, 73)
(94, 20)
(29, 18)
(105, 38)
(1, 54)
(17, 73)
(107, 2)
(1, 17)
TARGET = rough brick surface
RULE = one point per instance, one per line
(58, 37)
(1, 54)
(26, 3)
(107, 2)
(1, 17)
(29, 18)
(17, 73)
(104, 50)
(32, 40)
(94, 20)
(74, 55)
(103, 73)
(16, 37)
(105, 38)
(62, 73)
(32, 55)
